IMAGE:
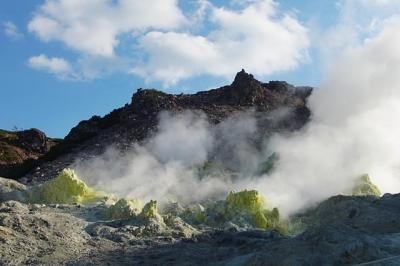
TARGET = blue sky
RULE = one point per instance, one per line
(52, 77)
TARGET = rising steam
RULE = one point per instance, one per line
(355, 129)
(167, 166)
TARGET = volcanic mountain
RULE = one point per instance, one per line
(138, 120)
(52, 217)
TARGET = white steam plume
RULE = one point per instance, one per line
(166, 166)
(355, 129)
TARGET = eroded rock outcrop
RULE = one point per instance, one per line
(20, 150)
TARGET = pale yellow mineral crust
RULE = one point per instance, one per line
(364, 186)
(67, 188)
(124, 209)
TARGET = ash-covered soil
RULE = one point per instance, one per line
(343, 230)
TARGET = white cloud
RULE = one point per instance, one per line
(175, 56)
(357, 21)
(93, 26)
(255, 38)
(58, 66)
(379, 3)
(11, 30)
(169, 46)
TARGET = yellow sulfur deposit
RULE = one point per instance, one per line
(124, 209)
(246, 208)
(247, 200)
(67, 188)
(259, 220)
(249, 205)
(150, 210)
(364, 186)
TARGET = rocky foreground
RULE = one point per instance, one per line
(85, 227)
(344, 230)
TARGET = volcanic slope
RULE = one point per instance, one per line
(138, 120)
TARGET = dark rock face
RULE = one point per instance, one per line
(245, 89)
(20, 150)
(138, 120)
(244, 93)
(84, 130)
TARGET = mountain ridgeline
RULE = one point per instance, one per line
(138, 120)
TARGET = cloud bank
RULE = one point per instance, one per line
(255, 38)
(168, 43)
(93, 26)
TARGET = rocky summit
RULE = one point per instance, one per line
(138, 120)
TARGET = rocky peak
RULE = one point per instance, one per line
(244, 80)
(246, 90)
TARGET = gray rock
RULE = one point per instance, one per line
(343, 230)
(11, 190)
